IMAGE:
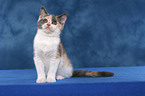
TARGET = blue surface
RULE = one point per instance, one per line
(96, 33)
(28, 76)
(128, 81)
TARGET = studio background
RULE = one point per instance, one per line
(97, 33)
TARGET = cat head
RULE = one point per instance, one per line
(49, 23)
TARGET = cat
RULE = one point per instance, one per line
(50, 58)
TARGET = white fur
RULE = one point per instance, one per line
(49, 68)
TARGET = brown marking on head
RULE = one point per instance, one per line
(54, 20)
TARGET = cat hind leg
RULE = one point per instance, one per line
(59, 77)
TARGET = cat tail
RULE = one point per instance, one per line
(84, 73)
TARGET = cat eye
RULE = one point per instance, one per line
(45, 20)
(54, 22)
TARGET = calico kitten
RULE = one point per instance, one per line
(50, 57)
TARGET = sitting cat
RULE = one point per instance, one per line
(50, 57)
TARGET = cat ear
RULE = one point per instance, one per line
(43, 12)
(62, 18)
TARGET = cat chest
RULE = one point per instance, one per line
(47, 45)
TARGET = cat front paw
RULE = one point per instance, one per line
(41, 80)
(51, 80)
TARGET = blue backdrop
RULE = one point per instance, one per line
(96, 33)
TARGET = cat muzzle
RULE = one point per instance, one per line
(48, 25)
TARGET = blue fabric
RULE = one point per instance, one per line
(97, 32)
(128, 81)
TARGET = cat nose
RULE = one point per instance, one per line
(48, 24)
